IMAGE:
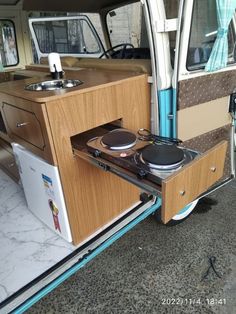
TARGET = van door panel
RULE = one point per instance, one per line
(203, 117)
(206, 117)
(206, 87)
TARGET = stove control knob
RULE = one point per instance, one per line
(142, 174)
(96, 153)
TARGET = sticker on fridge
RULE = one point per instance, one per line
(48, 186)
(55, 213)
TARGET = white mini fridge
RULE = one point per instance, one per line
(43, 191)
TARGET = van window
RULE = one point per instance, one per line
(8, 47)
(66, 36)
(96, 22)
(126, 25)
(203, 34)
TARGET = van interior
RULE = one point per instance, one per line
(114, 73)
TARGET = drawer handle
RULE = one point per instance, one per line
(213, 169)
(182, 193)
(20, 125)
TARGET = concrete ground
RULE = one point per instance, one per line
(154, 265)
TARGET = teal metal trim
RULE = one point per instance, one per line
(174, 113)
(54, 284)
(168, 112)
(165, 101)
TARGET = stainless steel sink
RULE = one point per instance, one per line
(52, 85)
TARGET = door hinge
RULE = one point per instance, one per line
(232, 105)
(164, 26)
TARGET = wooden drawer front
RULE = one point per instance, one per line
(23, 124)
(7, 163)
(183, 187)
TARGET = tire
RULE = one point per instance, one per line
(182, 215)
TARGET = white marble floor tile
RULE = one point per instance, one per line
(27, 247)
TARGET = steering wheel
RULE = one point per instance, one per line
(120, 54)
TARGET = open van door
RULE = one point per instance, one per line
(195, 104)
(203, 90)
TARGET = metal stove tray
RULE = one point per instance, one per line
(178, 189)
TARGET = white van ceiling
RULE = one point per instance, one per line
(72, 5)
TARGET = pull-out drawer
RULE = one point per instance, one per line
(177, 189)
(24, 125)
(7, 161)
(192, 180)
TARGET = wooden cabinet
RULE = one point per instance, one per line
(44, 123)
(26, 123)
(95, 198)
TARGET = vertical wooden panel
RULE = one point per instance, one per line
(94, 197)
(187, 184)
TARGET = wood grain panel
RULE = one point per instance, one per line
(94, 197)
(36, 135)
(208, 140)
(192, 180)
(5, 76)
(7, 161)
(24, 124)
(92, 80)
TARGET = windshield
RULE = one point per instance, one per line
(70, 35)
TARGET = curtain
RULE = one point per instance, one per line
(219, 54)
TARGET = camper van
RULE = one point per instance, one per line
(110, 111)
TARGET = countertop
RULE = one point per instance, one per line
(92, 79)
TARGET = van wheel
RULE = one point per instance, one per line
(182, 215)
